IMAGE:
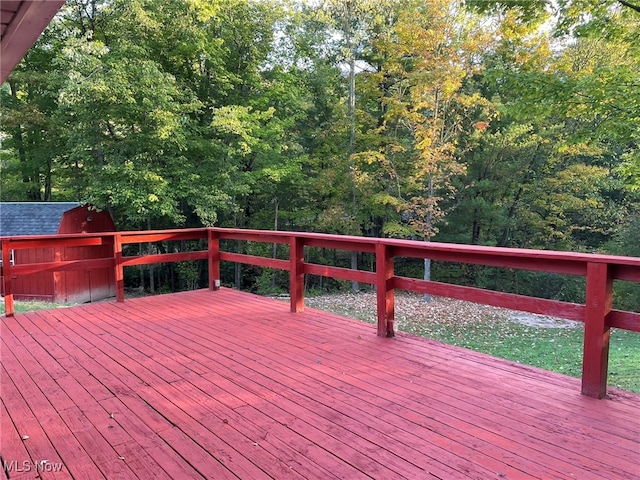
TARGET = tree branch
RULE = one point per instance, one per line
(630, 5)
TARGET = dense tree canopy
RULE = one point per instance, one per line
(500, 123)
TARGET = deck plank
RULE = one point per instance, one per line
(231, 385)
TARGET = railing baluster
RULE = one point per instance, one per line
(595, 358)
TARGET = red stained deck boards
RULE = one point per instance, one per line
(226, 384)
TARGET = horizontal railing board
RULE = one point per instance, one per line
(255, 260)
(164, 258)
(172, 235)
(624, 320)
(21, 244)
(62, 266)
(562, 266)
(570, 311)
(340, 245)
(629, 273)
(339, 272)
(481, 250)
(262, 238)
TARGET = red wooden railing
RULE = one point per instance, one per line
(600, 271)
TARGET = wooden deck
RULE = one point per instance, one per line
(230, 385)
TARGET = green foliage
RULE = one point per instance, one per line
(32, 306)
(495, 123)
(188, 274)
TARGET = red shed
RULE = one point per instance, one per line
(50, 218)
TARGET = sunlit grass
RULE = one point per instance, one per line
(32, 306)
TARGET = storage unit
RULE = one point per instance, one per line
(50, 218)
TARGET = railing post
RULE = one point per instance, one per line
(119, 269)
(296, 273)
(214, 260)
(595, 358)
(384, 290)
(6, 272)
(59, 286)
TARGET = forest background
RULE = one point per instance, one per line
(513, 124)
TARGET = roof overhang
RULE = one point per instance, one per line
(21, 23)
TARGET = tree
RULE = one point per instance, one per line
(33, 147)
(499, 123)
(429, 56)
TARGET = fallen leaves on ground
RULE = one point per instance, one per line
(411, 309)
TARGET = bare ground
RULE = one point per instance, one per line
(411, 306)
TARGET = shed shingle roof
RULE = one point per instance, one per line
(32, 218)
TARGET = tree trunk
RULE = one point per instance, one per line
(274, 253)
(33, 193)
(238, 274)
(152, 283)
(427, 276)
(48, 183)
(630, 5)
(475, 229)
(355, 286)
(427, 261)
(141, 269)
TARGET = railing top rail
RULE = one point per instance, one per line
(518, 252)
(160, 232)
(124, 233)
(453, 248)
(448, 247)
(23, 238)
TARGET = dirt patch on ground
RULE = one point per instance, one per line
(542, 321)
(439, 310)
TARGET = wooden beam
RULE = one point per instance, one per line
(32, 17)
(119, 270)
(163, 236)
(214, 260)
(340, 272)
(164, 258)
(624, 320)
(7, 273)
(296, 273)
(63, 265)
(21, 243)
(384, 291)
(595, 357)
(524, 303)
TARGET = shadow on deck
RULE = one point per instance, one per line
(230, 385)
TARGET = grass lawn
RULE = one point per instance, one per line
(547, 343)
(21, 307)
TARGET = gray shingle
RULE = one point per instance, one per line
(32, 218)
